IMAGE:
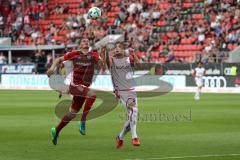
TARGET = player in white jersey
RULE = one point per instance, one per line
(198, 73)
(122, 77)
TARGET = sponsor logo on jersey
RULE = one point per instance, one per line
(84, 64)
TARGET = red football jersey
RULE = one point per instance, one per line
(83, 66)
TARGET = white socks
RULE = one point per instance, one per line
(125, 129)
(198, 92)
(130, 124)
(133, 121)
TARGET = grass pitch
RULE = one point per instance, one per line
(208, 129)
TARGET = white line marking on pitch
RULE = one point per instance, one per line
(182, 157)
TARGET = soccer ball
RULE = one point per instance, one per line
(94, 13)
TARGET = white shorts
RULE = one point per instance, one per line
(68, 79)
(199, 82)
(57, 83)
(127, 96)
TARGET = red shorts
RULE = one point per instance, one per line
(78, 90)
(77, 103)
(79, 93)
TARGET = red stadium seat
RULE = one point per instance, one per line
(140, 54)
(151, 1)
(155, 54)
(161, 23)
(197, 16)
(187, 5)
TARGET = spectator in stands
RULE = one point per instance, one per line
(83, 4)
(35, 34)
(144, 16)
(70, 20)
(35, 11)
(73, 35)
(165, 51)
(17, 25)
(200, 29)
(40, 60)
(57, 10)
(19, 60)
(170, 56)
(27, 29)
(232, 37)
(155, 14)
(81, 21)
(209, 47)
(21, 37)
(40, 40)
(65, 8)
(201, 38)
(107, 6)
(13, 34)
(42, 10)
(121, 17)
(154, 47)
(26, 19)
(13, 4)
(3, 59)
(49, 60)
(134, 7)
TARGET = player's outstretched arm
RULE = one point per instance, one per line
(107, 59)
(56, 62)
(105, 56)
(101, 63)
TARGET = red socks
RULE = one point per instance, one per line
(77, 103)
(65, 120)
(88, 105)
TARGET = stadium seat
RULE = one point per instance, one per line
(161, 23)
(151, 1)
(155, 54)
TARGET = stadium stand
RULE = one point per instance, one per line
(160, 31)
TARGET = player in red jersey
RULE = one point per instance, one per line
(83, 70)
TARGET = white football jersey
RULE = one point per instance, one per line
(122, 74)
(199, 72)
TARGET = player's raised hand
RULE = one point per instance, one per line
(55, 63)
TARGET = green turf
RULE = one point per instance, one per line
(26, 118)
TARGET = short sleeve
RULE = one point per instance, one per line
(69, 55)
